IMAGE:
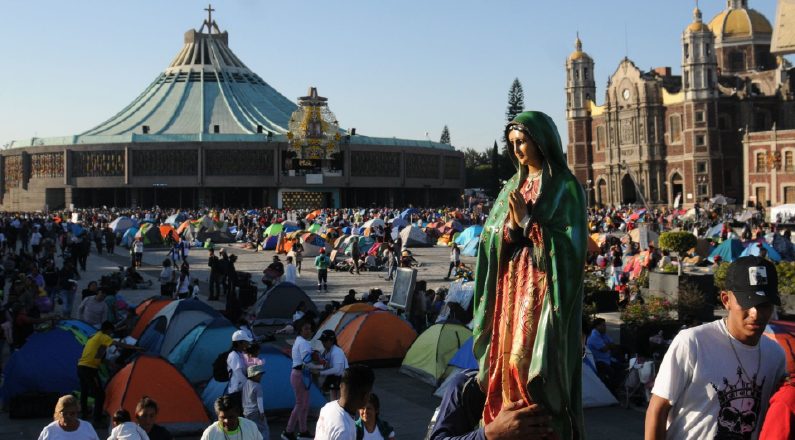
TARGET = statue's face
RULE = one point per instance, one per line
(525, 150)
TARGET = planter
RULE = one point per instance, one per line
(635, 338)
(664, 285)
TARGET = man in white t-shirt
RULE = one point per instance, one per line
(716, 379)
(336, 420)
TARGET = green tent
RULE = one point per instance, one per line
(430, 353)
(314, 228)
(273, 230)
(149, 234)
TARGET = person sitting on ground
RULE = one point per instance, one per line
(381, 304)
(350, 298)
(370, 425)
(230, 425)
(601, 345)
(66, 422)
(146, 414)
(125, 429)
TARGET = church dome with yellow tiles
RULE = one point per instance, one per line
(697, 25)
(578, 54)
(738, 21)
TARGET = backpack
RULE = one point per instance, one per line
(220, 371)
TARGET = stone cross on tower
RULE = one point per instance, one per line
(209, 10)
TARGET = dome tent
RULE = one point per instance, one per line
(377, 338)
(339, 319)
(172, 323)
(180, 409)
(278, 304)
(194, 354)
(429, 355)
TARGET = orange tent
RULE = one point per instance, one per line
(313, 214)
(145, 311)
(376, 337)
(592, 246)
(183, 226)
(169, 231)
(181, 408)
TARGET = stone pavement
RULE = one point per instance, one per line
(406, 403)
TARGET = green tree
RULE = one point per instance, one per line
(679, 242)
(445, 139)
(474, 158)
(515, 100)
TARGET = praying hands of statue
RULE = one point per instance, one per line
(518, 208)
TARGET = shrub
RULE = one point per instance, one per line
(677, 241)
(720, 276)
(654, 310)
(691, 300)
(786, 278)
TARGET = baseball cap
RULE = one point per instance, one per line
(240, 335)
(254, 370)
(753, 281)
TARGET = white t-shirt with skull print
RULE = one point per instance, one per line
(711, 396)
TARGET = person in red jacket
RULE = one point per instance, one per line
(780, 418)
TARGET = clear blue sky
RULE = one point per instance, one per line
(399, 68)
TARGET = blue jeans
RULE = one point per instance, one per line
(261, 421)
(68, 298)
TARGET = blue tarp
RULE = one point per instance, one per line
(471, 248)
(47, 363)
(728, 251)
(195, 353)
(468, 234)
(275, 384)
(754, 248)
(464, 358)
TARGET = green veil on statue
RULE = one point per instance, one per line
(529, 281)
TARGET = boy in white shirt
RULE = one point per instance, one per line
(253, 405)
(336, 420)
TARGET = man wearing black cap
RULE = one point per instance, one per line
(716, 379)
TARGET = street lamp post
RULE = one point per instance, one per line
(588, 188)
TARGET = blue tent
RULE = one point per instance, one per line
(47, 363)
(714, 231)
(728, 251)
(754, 248)
(195, 353)
(471, 248)
(270, 243)
(176, 219)
(468, 234)
(464, 358)
(129, 236)
(290, 227)
(81, 329)
(173, 322)
(275, 384)
(122, 224)
(346, 230)
(409, 212)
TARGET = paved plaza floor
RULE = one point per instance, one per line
(407, 403)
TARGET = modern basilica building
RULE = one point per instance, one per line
(210, 132)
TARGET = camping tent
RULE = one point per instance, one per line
(339, 319)
(728, 251)
(47, 363)
(278, 305)
(129, 236)
(471, 248)
(180, 409)
(122, 224)
(167, 231)
(314, 227)
(364, 243)
(413, 236)
(376, 337)
(430, 353)
(274, 383)
(754, 248)
(312, 243)
(468, 234)
(149, 234)
(644, 236)
(172, 323)
(783, 332)
(270, 243)
(273, 230)
(146, 311)
(176, 219)
(407, 213)
(217, 236)
(374, 222)
(195, 353)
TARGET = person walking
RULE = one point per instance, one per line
(716, 379)
(391, 262)
(355, 254)
(455, 259)
(301, 356)
(146, 414)
(236, 365)
(322, 263)
(230, 425)
(67, 423)
(88, 368)
(335, 362)
(253, 404)
(138, 252)
(290, 272)
(167, 278)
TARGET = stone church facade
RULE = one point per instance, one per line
(665, 139)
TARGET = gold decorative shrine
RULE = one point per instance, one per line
(314, 132)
